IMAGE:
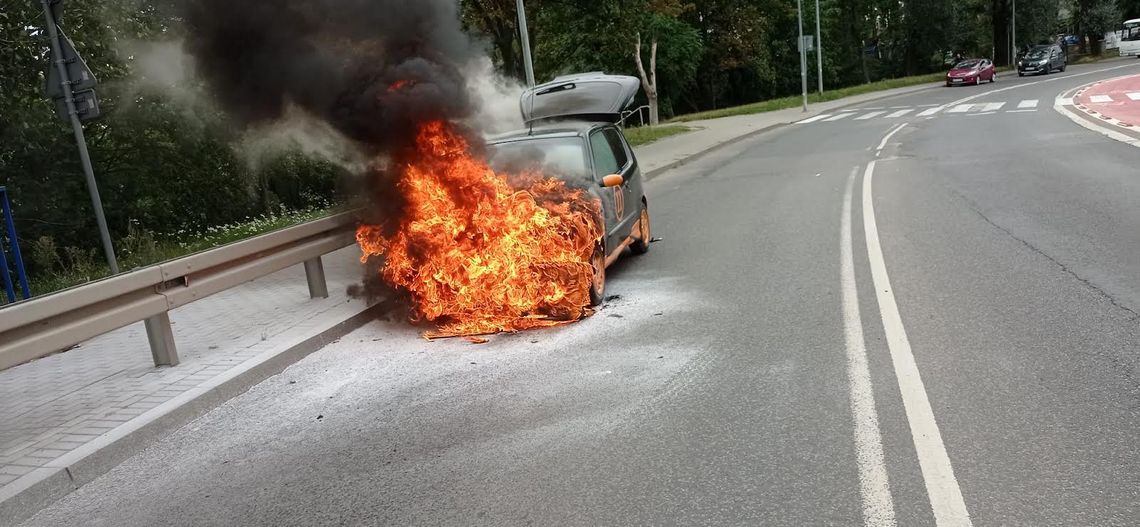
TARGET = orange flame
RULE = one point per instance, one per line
(480, 253)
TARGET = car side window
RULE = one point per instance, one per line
(605, 162)
(614, 139)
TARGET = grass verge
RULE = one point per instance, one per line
(644, 135)
(783, 103)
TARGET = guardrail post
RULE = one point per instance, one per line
(161, 338)
(315, 274)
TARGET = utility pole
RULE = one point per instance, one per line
(803, 50)
(818, 47)
(61, 66)
(525, 36)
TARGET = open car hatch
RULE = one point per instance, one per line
(591, 96)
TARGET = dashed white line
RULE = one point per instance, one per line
(1100, 98)
(941, 486)
(932, 111)
(874, 485)
(993, 106)
(1133, 95)
(1028, 103)
(961, 108)
(900, 113)
(838, 117)
(871, 115)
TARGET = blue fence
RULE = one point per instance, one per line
(11, 253)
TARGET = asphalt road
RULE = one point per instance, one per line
(727, 383)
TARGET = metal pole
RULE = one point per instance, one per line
(10, 223)
(818, 47)
(525, 36)
(1013, 27)
(803, 51)
(77, 127)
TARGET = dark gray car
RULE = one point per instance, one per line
(1042, 60)
(572, 133)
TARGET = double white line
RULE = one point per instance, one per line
(941, 486)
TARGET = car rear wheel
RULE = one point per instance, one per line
(993, 78)
(598, 276)
(641, 241)
(1063, 66)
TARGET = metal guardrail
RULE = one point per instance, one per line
(628, 113)
(41, 326)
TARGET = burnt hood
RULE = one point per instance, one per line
(591, 96)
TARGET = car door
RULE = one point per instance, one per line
(609, 156)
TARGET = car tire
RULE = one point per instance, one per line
(993, 78)
(978, 80)
(1063, 66)
(598, 276)
(1021, 74)
(640, 244)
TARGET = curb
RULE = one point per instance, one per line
(1068, 106)
(42, 487)
(650, 174)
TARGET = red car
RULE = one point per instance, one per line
(971, 71)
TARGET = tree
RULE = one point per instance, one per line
(661, 24)
(1095, 18)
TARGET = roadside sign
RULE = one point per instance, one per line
(81, 77)
(86, 105)
(807, 44)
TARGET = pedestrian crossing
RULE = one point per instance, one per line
(927, 111)
(1114, 97)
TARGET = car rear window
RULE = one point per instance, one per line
(967, 64)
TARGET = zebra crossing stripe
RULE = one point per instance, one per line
(993, 106)
(871, 115)
(900, 113)
(961, 108)
(814, 119)
(1100, 98)
(838, 117)
(932, 111)
(1028, 103)
(1133, 95)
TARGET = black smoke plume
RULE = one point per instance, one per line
(373, 69)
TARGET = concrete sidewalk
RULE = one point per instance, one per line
(68, 418)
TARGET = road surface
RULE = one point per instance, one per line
(925, 311)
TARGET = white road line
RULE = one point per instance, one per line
(899, 113)
(838, 117)
(1100, 98)
(1028, 103)
(961, 108)
(874, 485)
(869, 116)
(1022, 111)
(1064, 101)
(932, 111)
(941, 486)
(1133, 95)
(814, 119)
(889, 135)
(993, 106)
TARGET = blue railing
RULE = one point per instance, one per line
(12, 248)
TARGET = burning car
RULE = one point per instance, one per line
(572, 133)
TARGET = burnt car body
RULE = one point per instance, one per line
(572, 132)
(971, 71)
(1042, 60)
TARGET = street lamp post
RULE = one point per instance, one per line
(818, 47)
(803, 51)
(525, 37)
(1013, 27)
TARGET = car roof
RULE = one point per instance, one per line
(564, 128)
